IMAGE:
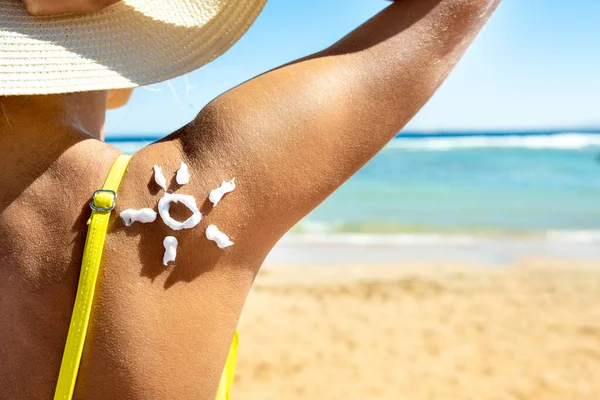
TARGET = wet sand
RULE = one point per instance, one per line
(415, 330)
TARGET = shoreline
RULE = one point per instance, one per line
(353, 249)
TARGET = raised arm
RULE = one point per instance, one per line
(293, 135)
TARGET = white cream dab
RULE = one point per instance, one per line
(183, 174)
(170, 244)
(217, 194)
(159, 178)
(144, 215)
(222, 240)
(164, 204)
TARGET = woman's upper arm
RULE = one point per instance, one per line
(295, 134)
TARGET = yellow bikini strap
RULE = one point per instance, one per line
(102, 204)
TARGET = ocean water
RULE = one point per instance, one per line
(467, 184)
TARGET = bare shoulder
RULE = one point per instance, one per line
(140, 189)
(186, 310)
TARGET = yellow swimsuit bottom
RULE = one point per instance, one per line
(103, 202)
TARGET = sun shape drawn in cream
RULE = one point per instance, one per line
(147, 215)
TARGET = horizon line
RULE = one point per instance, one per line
(449, 133)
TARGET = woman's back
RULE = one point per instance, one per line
(43, 228)
(147, 320)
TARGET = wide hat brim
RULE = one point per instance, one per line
(132, 43)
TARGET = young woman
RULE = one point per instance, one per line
(290, 137)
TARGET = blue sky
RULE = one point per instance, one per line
(536, 65)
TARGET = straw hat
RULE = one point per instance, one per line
(132, 43)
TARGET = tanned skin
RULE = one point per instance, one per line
(290, 137)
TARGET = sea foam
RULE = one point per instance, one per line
(449, 142)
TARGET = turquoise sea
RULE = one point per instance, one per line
(500, 183)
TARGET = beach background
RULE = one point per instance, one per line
(452, 266)
(463, 261)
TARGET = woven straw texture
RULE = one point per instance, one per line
(132, 43)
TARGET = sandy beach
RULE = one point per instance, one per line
(415, 330)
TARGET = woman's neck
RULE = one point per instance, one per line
(42, 118)
(38, 133)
